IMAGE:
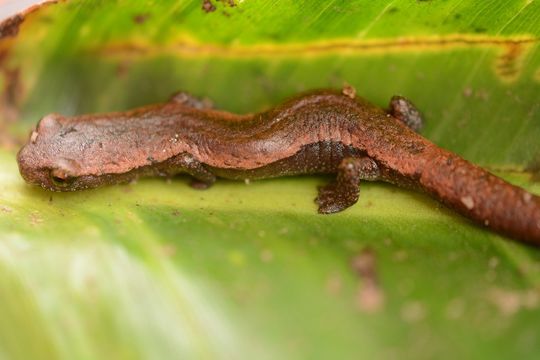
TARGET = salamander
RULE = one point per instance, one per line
(321, 132)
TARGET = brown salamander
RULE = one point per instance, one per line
(320, 132)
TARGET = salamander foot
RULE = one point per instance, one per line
(345, 190)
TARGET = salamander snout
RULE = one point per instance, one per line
(36, 171)
(28, 161)
(41, 161)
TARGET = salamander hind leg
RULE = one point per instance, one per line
(187, 164)
(404, 110)
(345, 190)
(189, 100)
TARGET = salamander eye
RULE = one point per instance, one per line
(60, 179)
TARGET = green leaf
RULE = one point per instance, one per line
(159, 270)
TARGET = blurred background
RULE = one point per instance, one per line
(10, 7)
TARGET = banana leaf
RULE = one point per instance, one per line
(157, 270)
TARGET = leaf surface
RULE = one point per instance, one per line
(158, 270)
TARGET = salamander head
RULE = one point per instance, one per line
(52, 156)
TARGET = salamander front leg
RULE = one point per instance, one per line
(191, 101)
(345, 190)
(404, 110)
(187, 164)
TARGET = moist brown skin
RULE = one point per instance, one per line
(320, 132)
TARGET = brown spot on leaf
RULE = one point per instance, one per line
(370, 297)
(141, 18)
(122, 69)
(207, 6)
(509, 302)
(35, 218)
(6, 209)
(168, 250)
(508, 64)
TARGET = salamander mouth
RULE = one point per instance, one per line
(65, 183)
(83, 182)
